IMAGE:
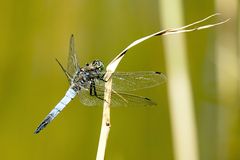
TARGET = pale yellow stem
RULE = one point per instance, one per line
(227, 69)
(182, 116)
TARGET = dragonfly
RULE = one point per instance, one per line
(88, 84)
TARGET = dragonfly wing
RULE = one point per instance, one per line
(126, 99)
(89, 100)
(130, 81)
(72, 65)
(117, 98)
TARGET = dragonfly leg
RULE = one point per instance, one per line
(93, 87)
(101, 78)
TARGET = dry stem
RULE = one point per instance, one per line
(110, 69)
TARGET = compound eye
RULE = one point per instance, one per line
(87, 64)
(96, 63)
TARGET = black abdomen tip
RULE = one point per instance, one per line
(44, 123)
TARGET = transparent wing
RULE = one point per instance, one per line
(131, 81)
(72, 65)
(117, 98)
(87, 99)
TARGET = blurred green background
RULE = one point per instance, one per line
(34, 33)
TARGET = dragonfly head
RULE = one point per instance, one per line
(97, 64)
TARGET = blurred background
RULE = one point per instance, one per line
(34, 33)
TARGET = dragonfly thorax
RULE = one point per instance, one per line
(87, 74)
